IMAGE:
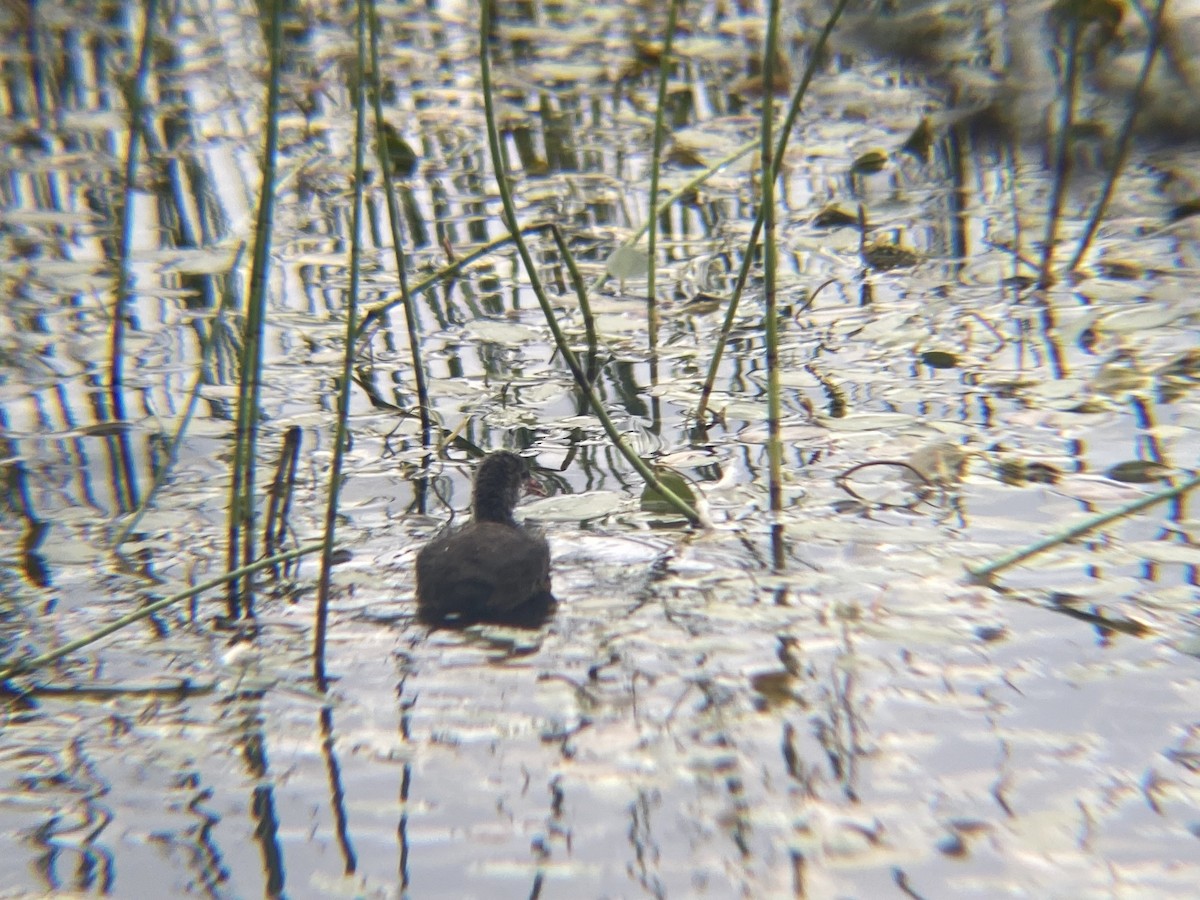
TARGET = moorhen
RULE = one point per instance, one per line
(491, 570)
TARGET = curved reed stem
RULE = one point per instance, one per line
(535, 282)
(585, 308)
(1125, 143)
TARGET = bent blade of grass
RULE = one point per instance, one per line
(585, 307)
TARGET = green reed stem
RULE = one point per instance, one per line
(982, 574)
(449, 271)
(136, 101)
(664, 76)
(241, 500)
(395, 221)
(511, 223)
(1125, 142)
(785, 132)
(769, 170)
(341, 431)
(24, 667)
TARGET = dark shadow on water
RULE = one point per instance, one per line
(532, 615)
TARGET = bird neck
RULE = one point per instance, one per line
(492, 509)
(496, 490)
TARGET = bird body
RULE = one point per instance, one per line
(493, 569)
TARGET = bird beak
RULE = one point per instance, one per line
(535, 488)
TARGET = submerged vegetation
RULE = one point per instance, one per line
(806, 312)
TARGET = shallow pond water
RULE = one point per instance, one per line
(862, 722)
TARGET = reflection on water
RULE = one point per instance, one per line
(689, 722)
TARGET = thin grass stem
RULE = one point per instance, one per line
(136, 100)
(240, 600)
(341, 430)
(664, 75)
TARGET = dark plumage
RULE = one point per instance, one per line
(491, 570)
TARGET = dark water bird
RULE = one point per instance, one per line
(491, 570)
(403, 157)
